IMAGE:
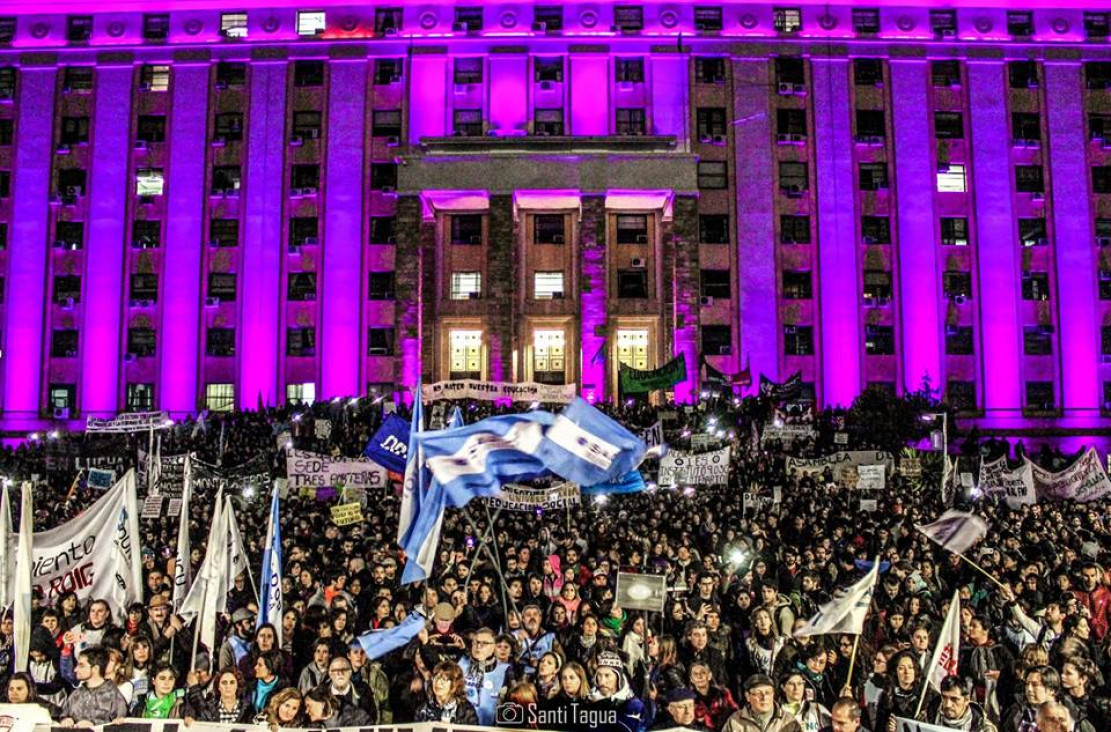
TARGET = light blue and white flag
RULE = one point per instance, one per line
(378, 643)
(631, 482)
(270, 610)
(456, 419)
(412, 491)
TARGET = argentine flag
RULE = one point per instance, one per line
(412, 491)
(271, 610)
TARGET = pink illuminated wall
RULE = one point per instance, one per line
(508, 105)
(428, 96)
(590, 112)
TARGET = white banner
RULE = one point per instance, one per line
(786, 433)
(310, 470)
(130, 422)
(838, 462)
(913, 725)
(653, 436)
(1015, 487)
(512, 497)
(323, 429)
(171, 476)
(708, 468)
(489, 391)
(756, 502)
(1083, 481)
(871, 478)
(135, 724)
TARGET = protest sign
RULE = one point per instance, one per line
(653, 436)
(786, 433)
(840, 438)
(513, 497)
(152, 507)
(130, 422)
(490, 391)
(700, 441)
(323, 429)
(646, 592)
(911, 467)
(871, 478)
(307, 469)
(708, 468)
(1083, 481)
(636, 381)
(100, 479)
(838, 462)
(1015, 487)
(171, 476)
(344, 514)
(755, 503)
(869, 504)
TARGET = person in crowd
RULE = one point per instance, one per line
(679, 712)
(162, 700)
(698, 650)
(955, 709)
(220, 701)
(237, 642)
(613, 695)
(316, 672)
(21, 689)
(96, 700)
(534, 639)
(348, 691)
(284, 708)
(810, 714)
(485, 677)
(760, 712)
(845, 717)
(266, 681)
(447, 701)
(546, 679)
(904, 689)
(713, 702)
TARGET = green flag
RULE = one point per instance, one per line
(634, 381)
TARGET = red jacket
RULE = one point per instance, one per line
(1098, 602)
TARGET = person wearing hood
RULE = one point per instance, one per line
(760, 713)
(42, 665)
(552, 576)
(955, 708)
(612, 694)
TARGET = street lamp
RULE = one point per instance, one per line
(931, 417)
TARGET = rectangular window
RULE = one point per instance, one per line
(632, 348)
(144, 288)
(716, 284)
(311, 23)
(1035, 286)
(381, 286)
(787, 20)
(71, 183)
(877, 287)
(465, 354)
(387, 123)
(548, 229)
(79, 28)
(305, 177)
(7, 132)
(794, 229)
(549, 122)
(1097, 74)
(548, 69)
(63, 398)
(949, 125)
(308, 73)
(632, 229)
(628, 18)
(711, 124)
(304, 231)
(228, 128)
(222, 286)
(548, 285)
(64, 343)
(791, 70)
(871, 125)
(943, 23)
(866, 21)
(1037, 341)
(632, 284)
(75, 131)
(873, 177)
(387, 21)
(233, 25)
(156, 27)
(957, 285)
(151, 128)
(387, 71)
(959, 340)
(468, 70)
(798, 340)
(231, 74)
(713, 228)
(1020, 24)
(1101, 179)
(716, 340)
(875, 229)
(712, 175)
(78, 79)
(1105, 340)
(306, 126)
(146, 234)
(383, 177)
(954, 231)
(219, 397)
(868, 72)
(149, 182)
(790, 125)
(1029, 179)
(1032, 232)
(7, 29)
(798, 285)
(382, 230)
(629, 70)
(301, 286)
(69, 235)
(1026, 128)
(549, 356)
(466, 122)
(140, 397)
(380, 341)
(794, 178)
(1104, 284)
(141, 341)
(945, 74)
(707, 18)
(468, 19)
(547, 18)
(709, 69)
(961, 395)
(879, 340)
(1022, 74)
(951, 178)
(225, 179)
(466, 229)
(630, 122)
(466, 285)
(66, 288)
(1097, 26)
(220, 341)
(223, 232)
(1039, 396)
(7, 83)
(300, 342)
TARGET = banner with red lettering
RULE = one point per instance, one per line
(1083, 481)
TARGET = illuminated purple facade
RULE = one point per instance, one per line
(204, 206)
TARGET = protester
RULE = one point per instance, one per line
(96, 700)
(760, 712)
(448, 700)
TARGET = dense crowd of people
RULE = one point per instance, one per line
(529, 634)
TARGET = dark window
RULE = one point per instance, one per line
(632, 284)
(1103, 228)
(306, 126)
(308, 73)
(380, 286)
(229, 127)
(69, 234)
(1097, 74)
(304, 231)
(1105, 340)
(959, 340)
(383, 176)
(71, 183)
(223, 232)
(66, 288)
(787, 20)
(868, 72)
(716, 284)
(63, 343)
(709, 70)
(141, 341)
(1026, 126)
(712, 175)
(79, 28)
(870, 125)
(1020, 23)
(468, 19)
(713, 228)
(548, 122)
(794, 229)
(548, 229)
(548, 69)
(382, 230)
(632, 229)
(380, 341)
(1105, 284)
(629, 70)
(945, 73)
(707, 18)
(300, 341)
(468, 70)
(1023, 74)
(866, 20)
(792, 123)
(1039, 396)
(467, 122)
(877, 286)
(305, 177)
(75, 131)
(220, 342)
(146, 234)
(7, 29)
(798, 340)
(387, 71)
(1101, 179)
(954, 231)
(628, 17)
(949, 125)
(63, 397)
(873, 176)
(630, 122)
(711, 123)
(1032, 232)
(1099, 126)
(156, 27)
(794, 178)
(943, 22)
(144, 287)
(387, 123)
(875, 229)
(797, 285)
(7, 132)
(1035, 286)
(140, 397)
(78, 78)
(961, 395)
(1029, 179)
(957, 284)
(225, 178)
(231, 74)
(879, 340)
(1037, 341)
(222, 286)
(151, 128)
(387, 21)
(547, 18)
(790, 70)
(717, 340)
(466, 229)
(3, 236)
(301, 286)
(1097, 26)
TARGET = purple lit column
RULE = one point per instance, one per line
(181, 280)
(508, 93)
(343, 217)
(590, 109)
(918, 272)
(428, 93)
(997, 251)
(837, 250)
(23, 353)
(670, 107)
(755, 229)
(262, 242)
(1076, 263)
(108, 188)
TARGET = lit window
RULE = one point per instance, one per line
(466, 285)
(465, 357)
(951, 179)
(140, 397)
(787, 20)
(233, 25)
(549, 285)
(219, 397)
(632, 348)
(303, 394)
(148, 182)
(549, 356)
(310, 23)
(154, 78)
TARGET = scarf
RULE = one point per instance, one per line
(159, 707)
(262, 692)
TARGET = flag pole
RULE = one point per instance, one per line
(856, 640)
(934, 657)
(981, 570)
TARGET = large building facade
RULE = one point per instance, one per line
(204, 206)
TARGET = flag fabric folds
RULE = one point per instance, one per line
(955, 531)
(183, 571)
(947, 654)
(270, 604)
(845, 613)
(6, 559)
(389, 446)
(412, 491)
(22, 600)
(378, 643)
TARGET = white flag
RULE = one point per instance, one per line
(5, 545)
(183, 571)
(210, 575)
(955, 530)
(846, 611)
(22, 599)
(946, 655)
(236, 562)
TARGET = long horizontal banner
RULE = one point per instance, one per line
(1083, 481)
(708, 468)
(490, 391)
(130, 422)
(787, 433)
(1014, 487)
(635, 381)
(587, 718)
(512, 497)
(310, 470)
(840, 462)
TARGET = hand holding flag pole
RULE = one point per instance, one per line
(957, 531)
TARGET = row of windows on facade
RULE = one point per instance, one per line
(549, 19)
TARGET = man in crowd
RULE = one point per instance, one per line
(97, 700)
(955, 709)
(760, 712)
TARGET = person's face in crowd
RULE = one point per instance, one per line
(699, 638)
(340, 622)
(69, 604)
(154, 581)
(504, 651)
(1063, 581)
(794, 689)
(314, 709)
(339, 671)
(240, 582)
(546, 667)
(906, 671)
(18, 693)
(83, 671)
(228, 686)
(441, 687)
(50, 623)
(98, 614)
(920, 640)
(1035, 692)
(843, 721)
(953, 704)
(511, 565)
(516, 589)
(289, 710)
(1083, 630)
(590, 626)
(606, 680)
(1053, 614)
(535, 586)
(570, 681)
(357, 657)
(158, 614)
(1055, 719)
(485, 594)
(700, 677)
(768, 595)
(1071, 680)
(1089, 576)
(321, 655)
(266, 639)
(761, 699)
(262, 671)
(482, 646)
(809, 584)
(879, 664)
(845, 646)
(817, 664)
(682, 712)
(977, 633)
(378, 574)
(443, 627)
(706, 587)
(530, 618)
(684, 554)
(164, 682)
(140, 652)
(306, 578)
(559, 614)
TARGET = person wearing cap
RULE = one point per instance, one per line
(613, 695)
(238, 641)
(678, 711)
(713, 702)
(444, 644)
(760, 712)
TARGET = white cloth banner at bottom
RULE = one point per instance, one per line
(175, 725)
(490, 391)
(913, 725)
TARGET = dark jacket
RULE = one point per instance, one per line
(205, 707)
(463, 713)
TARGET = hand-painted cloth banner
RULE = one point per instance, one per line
(635, 381)
(653, 436)
(1083, 481)
(787, 433)
(490, 391)
(130, 422)
(1015, 487)
(390, 445)
(307, 469)
(708, 468)
(513, 497)
(839, 462)
(781, 391)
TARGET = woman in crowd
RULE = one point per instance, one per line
(282, 710)
(222, 700)
(163, 700)
(21, 690)
(810, 715)
(904, 688)
(447, 701)
(763, 644)
(547, 676)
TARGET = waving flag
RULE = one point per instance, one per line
(845, 613)
(956, 531)
(183, 571)
(378, 643)
(947, 654)
(270, 609)
(456, 419)
(6, 560)
(390, 445)
(22, 600)
(412, 491)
